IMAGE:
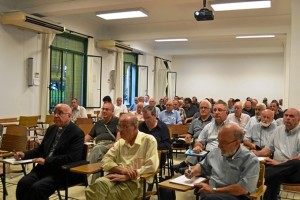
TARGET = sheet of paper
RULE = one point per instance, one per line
(261, 158)
(14, 161)
(191, 153)
(185, 181)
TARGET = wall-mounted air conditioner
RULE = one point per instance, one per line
(112, 45)
(23, 20)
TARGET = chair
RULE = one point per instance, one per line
(144, 177)
(84, 121)
(86, 128)
(10, 144)
(31, 123)
(82, 180)
(260, 187)
(178, 131)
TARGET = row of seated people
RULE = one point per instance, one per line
(220, 115)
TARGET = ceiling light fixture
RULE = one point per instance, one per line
(240, 5)
(122, 14)
(172, 40)
(254, 36)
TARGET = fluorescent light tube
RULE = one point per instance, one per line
(254, 36)
(241, 5)
(122, 14)
(172, 40)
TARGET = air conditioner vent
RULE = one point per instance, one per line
(113, 45)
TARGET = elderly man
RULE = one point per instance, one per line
(134, 154)
(248, 108)
(152, 103)
(62, 144)
(179, 109)
(146, 100)
(238, 117)
(77, 111)
(233, 170)
(284, 144)
(208, 137)
(170, 116)
(256, 118)
(259, 134)
(134, 104)
(120, 107)
(105, 133)
(138, 112)
(230, 104)
(195, 128)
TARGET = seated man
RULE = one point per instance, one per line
(284, 144)
(62, 144)
(120, 107)
(259, 134)
(77, 111)
(256, 118)
(195, 128)
(233, 170)
(237, 116)
(105, 133)
(133, 155)
(170, 116)
(138, 112)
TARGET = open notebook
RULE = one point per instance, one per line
(182, 180)
(14, 161)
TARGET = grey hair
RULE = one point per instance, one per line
(151, 109)
(208, 102)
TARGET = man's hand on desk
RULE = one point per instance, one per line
(40, 161)
(188, 138)
(19, 155)
(197, 149)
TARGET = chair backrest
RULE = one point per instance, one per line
(84, 121)
(14, 142)
(86, 128)
(16, 130)
(261, 179)
(28, 121)
(49, 119)
(178, 129)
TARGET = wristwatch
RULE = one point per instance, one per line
(214, 190)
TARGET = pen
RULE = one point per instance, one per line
(190, 171)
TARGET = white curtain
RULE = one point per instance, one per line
(119, 75)
(47, 40)
(160, 79)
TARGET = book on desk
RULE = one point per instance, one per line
(190, 152)
(182, 180)
(16, 162)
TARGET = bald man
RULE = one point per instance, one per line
(62, 144)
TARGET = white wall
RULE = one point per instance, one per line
(225, 76)
(16, 47)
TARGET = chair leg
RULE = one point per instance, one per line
(59, 195)
(5, 190)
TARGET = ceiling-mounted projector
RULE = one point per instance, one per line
(204, 13)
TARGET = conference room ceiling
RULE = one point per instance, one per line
(172, 19)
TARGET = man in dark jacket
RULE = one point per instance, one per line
(62, 144)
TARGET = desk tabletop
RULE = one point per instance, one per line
(173, 186)
(91, 168)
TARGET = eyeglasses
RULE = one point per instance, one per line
(219, 110)
(60, 113)
(227, 143)
(205, 108)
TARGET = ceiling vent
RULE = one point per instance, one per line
(112, 45)
(31, 22)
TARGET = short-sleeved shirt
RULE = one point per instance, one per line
(197, 126)
(100, 132)
(259, 135)
(209, 135)
(285, 145)
(80, 112)
(172, 117)
(242, 168)
(161, 134)
(190, 112)
(241, 121)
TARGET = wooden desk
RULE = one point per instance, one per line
(172, 186)
(87, 169)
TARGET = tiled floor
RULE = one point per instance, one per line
(77, 192)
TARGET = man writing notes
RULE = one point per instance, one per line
(134, 154)
(284, 144)
(62, 144)
(233, 170)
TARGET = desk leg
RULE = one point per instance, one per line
(4, 182)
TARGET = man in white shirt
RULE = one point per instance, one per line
(238, 117)
(120, 107)
(77, 111)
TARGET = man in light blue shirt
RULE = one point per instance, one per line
(170, 116)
